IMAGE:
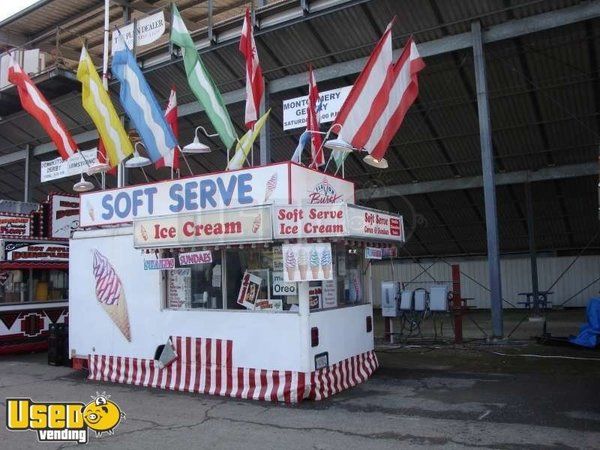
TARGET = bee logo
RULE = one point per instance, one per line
(102, 415)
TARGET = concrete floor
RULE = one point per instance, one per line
(422, 397)
(477, 324)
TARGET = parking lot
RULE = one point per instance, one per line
(422, 397)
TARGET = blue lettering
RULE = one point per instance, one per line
(122, 208)
(150, 194)
(137, 201)
(190, 196)
(175, 195)
(244, 188)
(207, 193)
(226, 192)
(106, 204)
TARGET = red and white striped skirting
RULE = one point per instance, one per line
(205, 366)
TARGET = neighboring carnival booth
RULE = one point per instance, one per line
(34, 261)
(250, 284)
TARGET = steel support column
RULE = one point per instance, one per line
(265, 134)
(26, 182)
(532, 251)
(489, 186)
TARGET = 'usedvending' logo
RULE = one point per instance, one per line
(64, 421)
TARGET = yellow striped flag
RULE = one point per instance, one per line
(244, 145)
(96, 102)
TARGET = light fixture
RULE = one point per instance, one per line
(98, 168)
(83, 185)
(339, 145)
(196, 146)
(379, 163)
(137, 160)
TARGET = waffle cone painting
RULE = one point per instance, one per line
(110, 294)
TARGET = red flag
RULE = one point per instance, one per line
(36, 104)
(172, 158)
(254, 79)
(103, 158)
(358, 107)
(313, 122)
(403, 91)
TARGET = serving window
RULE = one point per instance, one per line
(33, 285)
(252, 278)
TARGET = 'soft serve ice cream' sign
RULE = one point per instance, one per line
(282, 183)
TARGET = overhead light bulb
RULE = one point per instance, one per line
(379, 163)
(83, 185)
(339, 144)
(196, 147)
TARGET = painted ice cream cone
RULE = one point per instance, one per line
(271, 185)
(302, 263)
(326, 263)
(290, 264)
(91, 212)
(144, 233)
(110, 294)
(256, 223)
(314, 263)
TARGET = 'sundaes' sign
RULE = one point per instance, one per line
(202, 257)
(209, 228)
(328, 106)
(159, 264)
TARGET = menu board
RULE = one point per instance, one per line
(179, 288)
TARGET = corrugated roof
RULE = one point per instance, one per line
(543, 100)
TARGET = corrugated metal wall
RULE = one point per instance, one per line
(516, 277)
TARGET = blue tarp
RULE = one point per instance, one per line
(589, 334)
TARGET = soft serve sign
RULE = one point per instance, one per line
(257, 186)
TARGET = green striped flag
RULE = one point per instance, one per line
(200, 81)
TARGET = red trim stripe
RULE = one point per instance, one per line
(201, 360)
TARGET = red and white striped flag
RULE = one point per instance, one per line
(380, 98)
(313, 122)
(171, 159)
(35, 103)
(357, 109)
(403, 90)
(254, 79)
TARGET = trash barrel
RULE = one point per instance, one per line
(54, 357)
(63, 346)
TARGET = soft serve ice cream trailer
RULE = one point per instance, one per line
(250, 284)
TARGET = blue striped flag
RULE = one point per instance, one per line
(141, 106)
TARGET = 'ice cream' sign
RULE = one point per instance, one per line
(210, 228)
(309, 221)
(251, 187)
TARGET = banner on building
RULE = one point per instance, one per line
(330, 102)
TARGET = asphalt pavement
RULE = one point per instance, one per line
(422, 397)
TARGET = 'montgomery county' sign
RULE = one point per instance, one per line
(294, 109)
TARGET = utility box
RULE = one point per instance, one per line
(389, 299)
(438, 298)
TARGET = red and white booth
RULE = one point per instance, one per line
(253, 283)
(34, 259)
